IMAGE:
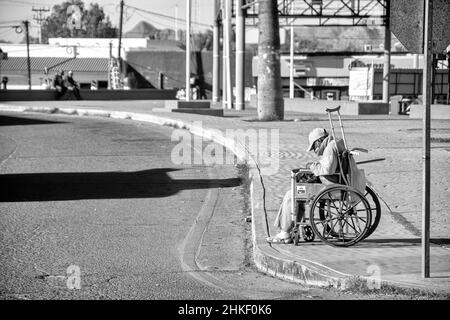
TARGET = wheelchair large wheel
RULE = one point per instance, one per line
(340, 216)
(375, 208)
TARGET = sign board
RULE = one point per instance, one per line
(441, 25)
(406, 23)
(360, 85)
(407, 18)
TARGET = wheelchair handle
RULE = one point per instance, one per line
(372, 160)
(333, 110)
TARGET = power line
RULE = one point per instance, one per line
(153, 21)
(39, 16)
(168, 17)
(163, 24)
(16, 2)
(10, 21)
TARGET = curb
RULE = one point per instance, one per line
(266, 258)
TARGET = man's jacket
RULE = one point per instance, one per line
(328, 162)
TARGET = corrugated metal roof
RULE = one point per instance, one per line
(39, 63)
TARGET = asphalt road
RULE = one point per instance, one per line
(100, 196)
(101, 200)
(95, 208)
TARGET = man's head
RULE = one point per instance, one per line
(316, 136)
(70, 73)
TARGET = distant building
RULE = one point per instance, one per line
(327, 75)
(88, 58)
(85, 71)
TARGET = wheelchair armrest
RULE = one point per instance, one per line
(302, 170)
(354, 151)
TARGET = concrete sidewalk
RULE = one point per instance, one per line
(393, 252)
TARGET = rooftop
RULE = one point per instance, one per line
(40, 63)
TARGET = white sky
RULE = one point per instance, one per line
(14, 11)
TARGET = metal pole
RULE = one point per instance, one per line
(120, 36)
(291, 60)
(240, 56)
(1, 58)
(27, 33)
(216, 55)
(109, 65)
(448, 77)
(224, 57)
(176, 22)
(427, 90)
(227, 46)
(415, 61)
(188, 50)
(387, 55)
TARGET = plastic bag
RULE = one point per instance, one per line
(357, 176)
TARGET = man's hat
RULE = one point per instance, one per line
(315, 135)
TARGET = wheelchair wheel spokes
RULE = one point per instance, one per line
(340, 216)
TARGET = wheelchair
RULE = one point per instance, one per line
(339, 214)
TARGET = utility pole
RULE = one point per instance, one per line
(109, 65)
(448, 77)
(188, 50)
(227, 37)
(39, 18)
(224, 56)
(387, 54)
(291, 58)
(427, 98)
(240, 55)
(119, 58)
(216, 55)
(27, 34)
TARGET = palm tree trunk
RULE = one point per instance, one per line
(270, 94)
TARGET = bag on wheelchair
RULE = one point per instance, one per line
(355, 177)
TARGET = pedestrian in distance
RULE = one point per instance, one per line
(4, 82)
(59, 85)
(72, 85)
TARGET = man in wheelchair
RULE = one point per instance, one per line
(324, 171)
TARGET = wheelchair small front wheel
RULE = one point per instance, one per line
(308, 234)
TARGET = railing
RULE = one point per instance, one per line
(306, 91)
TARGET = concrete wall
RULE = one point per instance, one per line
(173, 64)
(319, 106)
(47, 95)
(438, 111)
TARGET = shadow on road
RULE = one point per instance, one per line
(21, 121)
(153, 183)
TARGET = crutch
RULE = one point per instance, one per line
(337, 109)
(329, 111)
